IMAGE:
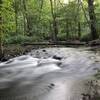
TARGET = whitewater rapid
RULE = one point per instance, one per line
(48, 74)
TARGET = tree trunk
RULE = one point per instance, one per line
(41, 7)
(16, 17)
(79, 30)
(55, 28)
(78, 18)
(92, 19)
(24, 16)
(67, 29)
(41, 3)
(29, 25)
(51, 31)
(1, 31)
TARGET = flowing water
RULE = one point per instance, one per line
(49, 74)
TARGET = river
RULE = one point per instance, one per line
(51, 74)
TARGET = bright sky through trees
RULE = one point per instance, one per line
(65, 1)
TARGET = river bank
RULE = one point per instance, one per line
(13, 50)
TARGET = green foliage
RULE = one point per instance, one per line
(19, 39)
(32, 20)
(62, 37)
(86, 37)
(8, 16)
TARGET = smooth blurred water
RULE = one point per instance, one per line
(38, 76)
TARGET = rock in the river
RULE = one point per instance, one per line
(44, 50)
(57, 57)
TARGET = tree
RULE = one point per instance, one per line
(92, 17)
(79, 24)
(16, 15)
(24, 16)
(1, 29)
(55, 28)
(40, 20)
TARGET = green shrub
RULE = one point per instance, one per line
(20, 39)
(62, 37)
(86, 37)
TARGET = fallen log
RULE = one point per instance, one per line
(94, 42)
(55, 43)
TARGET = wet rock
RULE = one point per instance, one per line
(57, 57)
(5, 58)
(44, 50)
(51, 85)
(86, 97)
(9, 61)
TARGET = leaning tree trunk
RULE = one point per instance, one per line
(92, 17)
(1, 31)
